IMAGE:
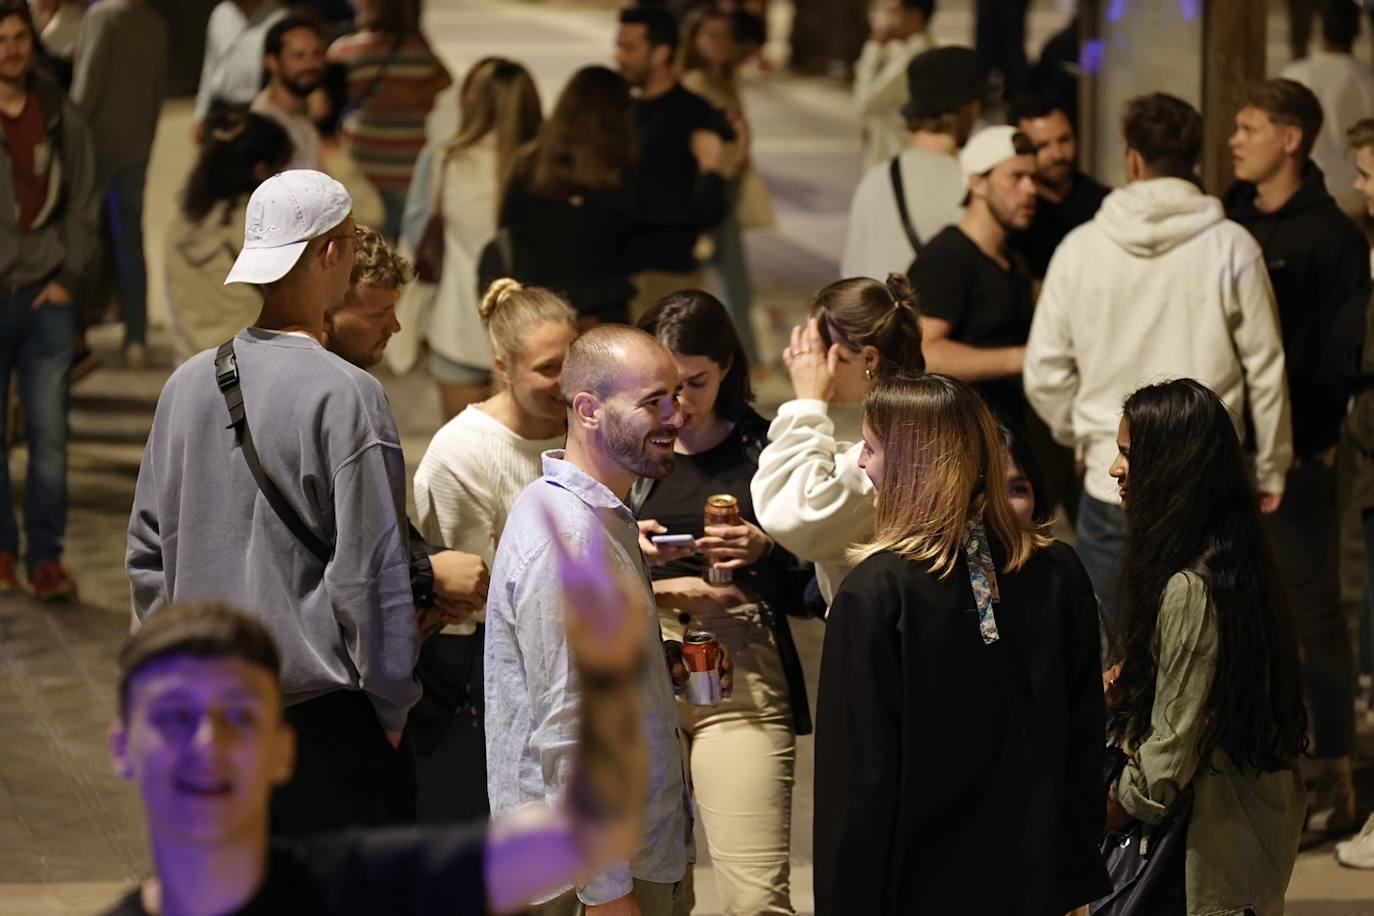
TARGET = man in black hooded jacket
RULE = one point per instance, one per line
(1319, 265)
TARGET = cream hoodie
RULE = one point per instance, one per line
(809, 492)
(1159, 285)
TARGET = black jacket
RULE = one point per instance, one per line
(954, 776)
(779, 579)
(1319, 265)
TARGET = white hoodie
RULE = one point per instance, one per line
(1159, 285)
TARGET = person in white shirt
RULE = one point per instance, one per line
(460, 179)
(880, 89)
(293, 54)
(1158, 285)
(1345, 88)
(903, 202)
(809, 492)
(232, 69)
(474, 468)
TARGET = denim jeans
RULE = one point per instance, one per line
(731, 266)
(1101, 538)
(124, 200)
(36, 345)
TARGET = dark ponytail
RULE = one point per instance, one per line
(861, 312)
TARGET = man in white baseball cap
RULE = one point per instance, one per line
(273, 479)
(975, 294)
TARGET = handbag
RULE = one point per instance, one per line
(496, 261)
(1146, 862)
(429, 251)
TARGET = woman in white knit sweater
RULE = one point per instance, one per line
(474, 468)
(810, 493)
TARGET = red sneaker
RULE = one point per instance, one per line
(51, 582)
(9, 582)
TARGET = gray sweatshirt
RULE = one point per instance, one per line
(200, 528)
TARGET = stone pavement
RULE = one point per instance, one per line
(70, 832)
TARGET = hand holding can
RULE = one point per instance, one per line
(701, 655)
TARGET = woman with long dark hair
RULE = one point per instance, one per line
(566, 208)
(741, 752)
(959, 746)
(1208, 693)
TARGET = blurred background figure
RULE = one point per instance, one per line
(455, 195)
(59, 23)
(880, 81)
(234, 39)
(393, 78)
(567, 212)
(708, 59)
(1000, 39)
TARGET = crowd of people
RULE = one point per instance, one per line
(328, 707)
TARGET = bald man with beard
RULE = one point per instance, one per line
(621, 387)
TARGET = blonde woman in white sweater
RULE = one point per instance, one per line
(474, 468)
(809, 492)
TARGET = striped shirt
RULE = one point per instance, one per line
(392, 83)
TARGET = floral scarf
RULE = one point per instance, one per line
(983, 577)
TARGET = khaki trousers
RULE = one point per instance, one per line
(653, 899)
(740, 757)
(653, 285)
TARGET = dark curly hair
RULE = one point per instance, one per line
(1191, 506)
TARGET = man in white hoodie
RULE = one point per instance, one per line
(1158, 285)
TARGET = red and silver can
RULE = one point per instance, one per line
(721, 509)
(701, 654)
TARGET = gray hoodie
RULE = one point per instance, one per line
(62, 240)
(1159, 285)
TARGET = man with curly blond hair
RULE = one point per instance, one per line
(359, 327)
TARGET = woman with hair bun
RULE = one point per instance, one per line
(240, 151)
(959, 723)
(810, 493)
(475, 467)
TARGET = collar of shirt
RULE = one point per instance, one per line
(563, 473)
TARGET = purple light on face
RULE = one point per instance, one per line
(1189, 9)
(1090, 56)
(1117, 11)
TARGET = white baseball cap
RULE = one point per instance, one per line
(989, 148)
(284, 214)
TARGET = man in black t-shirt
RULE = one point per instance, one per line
(201, 731)
(677, 185)
(1068, 198)
(974, 292)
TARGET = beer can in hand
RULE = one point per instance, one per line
(701, 655)
(721, 509)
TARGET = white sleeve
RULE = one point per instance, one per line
(1051, 368)
(809, 492)
(1259, 346)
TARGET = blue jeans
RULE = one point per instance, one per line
(124, 200)
(37, 346)
(394, 202)
(1101, 539)
(732, 266)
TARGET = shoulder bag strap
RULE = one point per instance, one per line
(227, 377)
(894, 169)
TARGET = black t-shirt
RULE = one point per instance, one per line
(985, 304)
(402, 871)
(670, 191)
(1054, 221)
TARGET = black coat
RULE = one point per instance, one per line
(1319, 264)
(954, 776)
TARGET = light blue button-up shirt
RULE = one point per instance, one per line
(532, 693)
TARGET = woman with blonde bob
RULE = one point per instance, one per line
(959, 733)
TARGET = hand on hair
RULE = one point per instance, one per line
(811, 364)
(734, 546)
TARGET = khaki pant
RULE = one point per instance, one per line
(653, 285)
(740, 757)
(653, 899)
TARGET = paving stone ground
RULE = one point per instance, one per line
(71, 834)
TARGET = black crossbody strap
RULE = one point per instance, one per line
(227, 377)
(894, 169)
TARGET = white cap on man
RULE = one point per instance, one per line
(284, 214)
(991, 147)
